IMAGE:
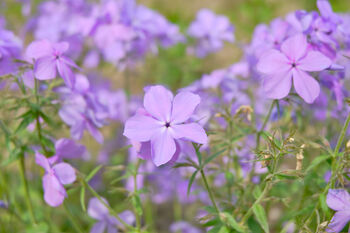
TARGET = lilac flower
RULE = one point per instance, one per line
(210, 30)
(55, 177)
(49, 58)
(183, 227)
(100, 212)
(339, 201)
(291, 64)
(68, 149)
(10, 48)
(162, 123)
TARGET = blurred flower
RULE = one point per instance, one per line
(100, 212)
(339, 201)
(183, 227)
(162, 123)
(291, 64)
(210, 31)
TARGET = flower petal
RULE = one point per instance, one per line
(141, 128)
(54, 192)
(184, 105)
(163, 147)
(295, 47)
(272, 61)
(97, 209)
(38, 49)
(45, 68)
(314, 61)
(339, 220)
(66, 73)
(338, 199)
(42, 161)
(99, 227)
(157, 102)
(65, 173)
(306, 86)
(277, 86)
(191, 132)
(69, 149)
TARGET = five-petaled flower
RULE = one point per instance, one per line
(49, 58)
(291, 64)
(164, 121)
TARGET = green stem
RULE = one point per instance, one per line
(26, 189)
(341, 136)
(38, 125)
(209, 191)
(71, 217)
(138, 217)
(112, 211)
(264, 124)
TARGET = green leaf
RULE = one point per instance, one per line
(82, 198)
(41, 227)
(15, 154)
(93, 173)
(213, 156)
(229, 220)
(24, 123)
(260, 215)
(224, 229)
(191, 182)
(318, 160)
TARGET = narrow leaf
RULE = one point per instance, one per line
(260, 215)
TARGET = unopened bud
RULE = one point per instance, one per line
(290, 140)
(299, 156)
(245, 110)
(266, 161)
(348, 144)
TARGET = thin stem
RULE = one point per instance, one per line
(209, 191)
(112, 211)
(38, 125)
(267, 118)
(71, 217)
(26, 189)
(341, 136)
(138, 217)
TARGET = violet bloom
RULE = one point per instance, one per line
(49, 58)
(210, 30)
(183, 227)
(291, 64)
(68, 149)
(339, 201)
(10, 48)
(100, 212)
(55, 177)
(163, 123)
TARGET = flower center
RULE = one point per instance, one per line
(294, 65)
(167, 124)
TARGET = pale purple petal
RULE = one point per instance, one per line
(54, 192)
(96, 209)
(272, 61)
(141, 128)
(184, 105)
(157, 102)
(295, 47)
(66, 73)
(99, 227)
(278, 86)
(111, 229)
(95, 132)
(191, 132)
(65, 173)
(38, 49)
(42, 161)
(67, 148)
(28, 79)
(45, 68)
(339, 220)
(338, 199)
(163, 147)
(314, 61)
(61, 47)
(306, 86)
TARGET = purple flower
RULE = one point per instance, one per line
(68, 149)
(49, 58)
(55, 177)
(100, 212)
(183, 227)
(163, 123)
(210, 30)
(10, 48)
(291, 64)
(339, 201)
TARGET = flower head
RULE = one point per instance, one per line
(291, 64)
(162, 123)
